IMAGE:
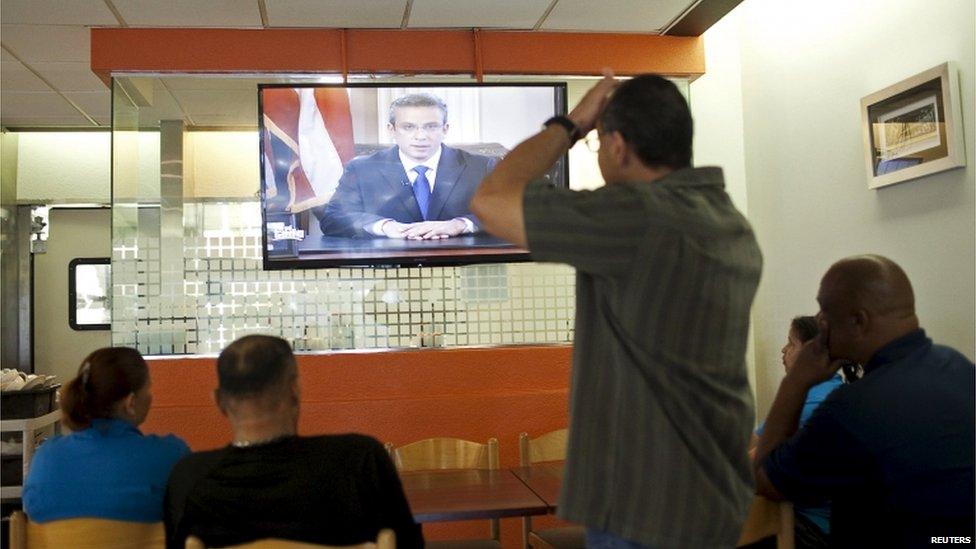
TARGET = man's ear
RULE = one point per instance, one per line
(862, 322)
(129, 405)
(296, 391)
(390, 128)
(219, 402)
(617, 148)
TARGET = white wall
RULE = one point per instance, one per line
(716, 105)
(804, 68)
(64, 166)
(221, 164)
(59, 349)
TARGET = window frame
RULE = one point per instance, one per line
(73, 296)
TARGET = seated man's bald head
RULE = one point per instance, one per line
(866, 301)
(873, 282)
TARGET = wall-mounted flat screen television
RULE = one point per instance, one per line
(382, 174)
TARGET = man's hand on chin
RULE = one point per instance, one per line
(433, 230)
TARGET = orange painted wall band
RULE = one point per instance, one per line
(479, 65)
(344, 54)
(362, 51)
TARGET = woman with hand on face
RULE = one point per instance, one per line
(106, 468)
(813, 522)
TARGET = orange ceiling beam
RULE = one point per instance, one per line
(360, 51)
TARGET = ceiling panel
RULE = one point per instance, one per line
(615, 15)
(57, 12)
(22, 104)
(238, 120)
(375, 14)
(164, 107)
(45, 121)
(32, 43)
(512, 14)
(70, 76)
(16, 78)
(228, 103)
(189, 13)
(93, 103)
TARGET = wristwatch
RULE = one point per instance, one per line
(571, 128)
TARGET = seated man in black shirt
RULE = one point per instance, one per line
(893, 452)
(270, 482)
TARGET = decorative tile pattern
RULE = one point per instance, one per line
(222, 293)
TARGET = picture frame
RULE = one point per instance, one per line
(913, 128)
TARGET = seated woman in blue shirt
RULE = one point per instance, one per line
(106, 468)
(812, 522)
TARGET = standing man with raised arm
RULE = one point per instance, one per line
(660, 405)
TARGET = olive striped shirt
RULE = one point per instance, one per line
(660, 406)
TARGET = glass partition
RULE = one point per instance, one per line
(186, 259)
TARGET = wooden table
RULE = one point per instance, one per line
(766, 518)
(544, 479)
(437, 496)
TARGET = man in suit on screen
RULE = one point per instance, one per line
(418, 189)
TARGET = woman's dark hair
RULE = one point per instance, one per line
(104, 378)
(653, 117)
(806, 328)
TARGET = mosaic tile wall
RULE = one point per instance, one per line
(201, 295)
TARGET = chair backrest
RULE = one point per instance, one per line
(768, 518)
(446, 453)
(386, 539)
(85, 533)
(548, 447)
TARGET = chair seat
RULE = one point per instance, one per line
(464, 544)
(570, 537)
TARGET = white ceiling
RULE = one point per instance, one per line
(45, 79)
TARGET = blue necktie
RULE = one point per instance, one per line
(421, 189)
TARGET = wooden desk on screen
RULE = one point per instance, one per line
(339, 248)
(439, 496)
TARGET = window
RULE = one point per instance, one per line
(89, 298)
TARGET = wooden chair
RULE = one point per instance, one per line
(451, 453)
(548, 447)
(768, 518)
(85, 533)
(445, 453)
(386, 539)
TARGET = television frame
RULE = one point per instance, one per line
(408, 259)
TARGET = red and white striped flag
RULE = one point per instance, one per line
(316, 126)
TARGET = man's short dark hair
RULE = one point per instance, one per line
(417, 100)
(653, 117)
(253, 364)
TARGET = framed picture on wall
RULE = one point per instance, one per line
(913, 128)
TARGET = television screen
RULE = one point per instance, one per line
(382, 174)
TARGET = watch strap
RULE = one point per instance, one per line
(571, 128)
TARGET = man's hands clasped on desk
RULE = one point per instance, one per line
(423, 230)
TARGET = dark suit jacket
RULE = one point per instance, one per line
(376, 187)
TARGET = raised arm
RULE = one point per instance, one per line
(498, 200)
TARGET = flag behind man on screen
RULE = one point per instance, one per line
(307, 141)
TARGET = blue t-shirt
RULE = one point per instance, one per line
(817, 514)
(109, 470)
